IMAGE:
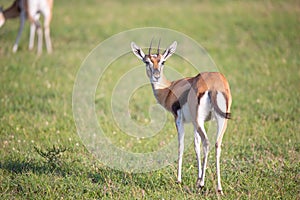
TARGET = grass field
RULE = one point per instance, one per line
(256, 44)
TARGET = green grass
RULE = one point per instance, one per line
(255, 44)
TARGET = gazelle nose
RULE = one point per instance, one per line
(156, 73)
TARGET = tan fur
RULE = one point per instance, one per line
(207, 81)
(13, 11)
(173, 92)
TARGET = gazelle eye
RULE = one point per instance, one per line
(163, 63)
(146, 61)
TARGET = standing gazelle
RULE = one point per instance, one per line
(31, 9)
(196, 99)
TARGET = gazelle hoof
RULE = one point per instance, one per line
(15, 48)
(199, 184)
(220, 192)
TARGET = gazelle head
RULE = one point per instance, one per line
(154, 62)
(2, 18)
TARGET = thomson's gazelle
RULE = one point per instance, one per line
(195, 99)
(31, 9)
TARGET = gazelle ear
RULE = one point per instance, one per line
(170, 50)
(137, 51)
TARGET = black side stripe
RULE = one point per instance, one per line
(177, 105)
(199, 97)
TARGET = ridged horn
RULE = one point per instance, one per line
(150, 47)
(158, 47)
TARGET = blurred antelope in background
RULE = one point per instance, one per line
(31, 9)
(194, 99)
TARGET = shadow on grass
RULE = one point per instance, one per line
(109, 182)
(52, 163)
(58, 161)
(18, 166)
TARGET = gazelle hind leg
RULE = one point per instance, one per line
(35, 26)
(48, 39)
(47, 16)
(40, 39)
(31, 36)
(197, 140)
(221, 126)
(203, 111)
(205, 144)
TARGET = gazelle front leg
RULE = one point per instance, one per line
(31, 36)
(180, 131)
(48, 16)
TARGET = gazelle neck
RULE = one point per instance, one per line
(163, 83)
(161, 90)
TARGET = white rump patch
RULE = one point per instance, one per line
(2, 19)
(204, 108)
(221, 101)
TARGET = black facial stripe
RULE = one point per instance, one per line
(168, 53)
(146, 60)
(138, 51)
